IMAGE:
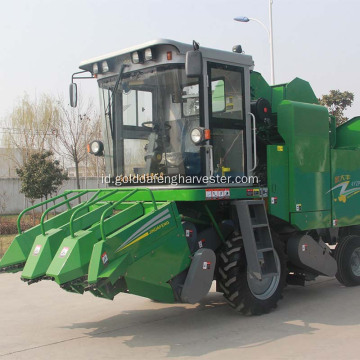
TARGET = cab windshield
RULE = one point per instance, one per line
(148, 121)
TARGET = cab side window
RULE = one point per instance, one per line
(227, 120)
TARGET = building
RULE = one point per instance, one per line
(10, 159)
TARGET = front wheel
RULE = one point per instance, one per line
(347, 255)
(242, 291)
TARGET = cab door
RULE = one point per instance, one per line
(227, 120)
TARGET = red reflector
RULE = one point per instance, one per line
(207, 134)
(169, 55)
(265, 110)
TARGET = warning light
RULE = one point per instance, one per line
(207, 134)
(169, 55)
(266, 110)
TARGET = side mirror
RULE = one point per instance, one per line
(193, 63)
(73, 95)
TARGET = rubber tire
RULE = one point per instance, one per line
(232, 278)
(343, 252)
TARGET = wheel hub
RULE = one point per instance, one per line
(265, 288)
(355, 262)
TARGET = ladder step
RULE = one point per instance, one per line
(265, 250)
(260, 254)
(255, 226)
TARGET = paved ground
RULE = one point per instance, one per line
(320, 321)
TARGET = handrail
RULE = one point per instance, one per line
(40, 204)
(87, 204)
(94, 197)
(42, 225)
(254, 141)
(102, 229)
(67, 204)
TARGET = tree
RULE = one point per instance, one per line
(31, 127)
(75, 128)
(337, 102)
(40, 176)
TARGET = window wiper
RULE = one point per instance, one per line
(111, 100)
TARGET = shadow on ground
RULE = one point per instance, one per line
(212, 325)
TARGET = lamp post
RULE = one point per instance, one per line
(270, 36)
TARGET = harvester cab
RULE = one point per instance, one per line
(213, 175)
(169, 111)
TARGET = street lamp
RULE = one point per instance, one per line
(270, 36)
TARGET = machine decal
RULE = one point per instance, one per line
(189, 233)
(37, 250)
(216, 194)
(155, 224)
(64, 251)
(254, 192)
(274, 200)
(104, 258)
(345, 193)
(206, 265)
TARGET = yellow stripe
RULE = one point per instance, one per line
(135, 241)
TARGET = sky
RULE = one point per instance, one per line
(43, 42)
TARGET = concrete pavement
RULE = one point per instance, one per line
(41, 321)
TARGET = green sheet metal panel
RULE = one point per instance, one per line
(345, 187)
(259, 88)
(311, 220)
(348, 134)
(277, 96)
(156, 249)
(296, 90)
(21, 246)
(301, 91)
(183, 194)
(278, 181)
(305, 129)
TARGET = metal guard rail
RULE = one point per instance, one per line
(102, 224)
(92, 201)
(42, 225)
(46, 202)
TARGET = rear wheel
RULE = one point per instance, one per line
(347, 255)
(242, 291)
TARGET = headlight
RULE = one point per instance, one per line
(135, 57)
(148, 54)
(96, 148)
(199, 134)
(105, 66)
(95, 69)
(196, 136)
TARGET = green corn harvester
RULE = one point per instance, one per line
(213, 175)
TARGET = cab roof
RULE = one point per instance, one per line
(182, 49)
